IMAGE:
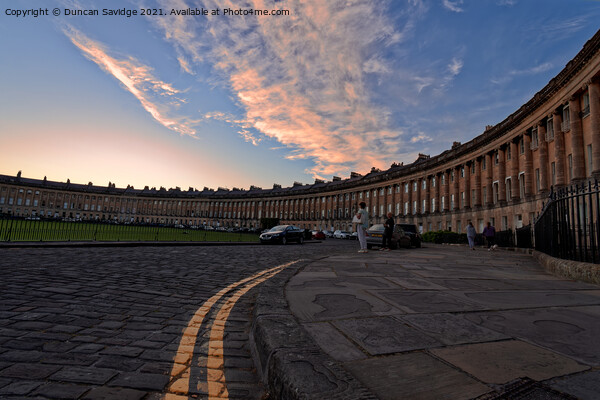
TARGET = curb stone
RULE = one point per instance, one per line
(289, 362)
(581, 271)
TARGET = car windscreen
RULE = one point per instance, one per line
(376, 227)
(279, 228)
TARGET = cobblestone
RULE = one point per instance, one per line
(105, 323)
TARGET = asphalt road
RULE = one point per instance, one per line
(135, 322)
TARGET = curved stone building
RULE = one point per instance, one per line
(503, 176)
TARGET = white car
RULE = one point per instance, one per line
(341, 234)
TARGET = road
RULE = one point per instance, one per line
(135, 322)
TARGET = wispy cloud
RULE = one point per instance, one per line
(453, 5)
(156, 96)
(523, 72)
(507, 2)
(302, 79)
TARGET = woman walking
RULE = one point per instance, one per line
(363, 216)
(471, 232)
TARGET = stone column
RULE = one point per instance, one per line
(418, 195)
(559, 149)
(594, 94)
(467, 187)
(477, 182)
(489, 178)
(576, 139)
(528, 165)
(543, 156)
(410, 197)
(502, 174)
(428, 193)
(514, 171)
(437, 191)
(456, 188)
(446, 192)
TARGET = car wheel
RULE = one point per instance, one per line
(418, 244)
(301, 241)
(283, 240)
(393, 245)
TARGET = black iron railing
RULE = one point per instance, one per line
(36, 230)
(568, 226)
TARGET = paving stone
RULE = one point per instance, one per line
(119, 363)
(95, 376)
(61, 390)
(584, 386)
(111, 393)
(333, 342)
(140, 381)
(123, 351)
(452, 328)
(501, 362)
(412, 301)
(21, 356)
(19, 388)
(384, 335)
(88, 348)
(414, 376)
(69, 359)
(29, 371)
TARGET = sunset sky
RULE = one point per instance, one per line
(234, 100)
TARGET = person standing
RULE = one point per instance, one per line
(388, 232)
(489, 232)
(471, 232)
(363, 216)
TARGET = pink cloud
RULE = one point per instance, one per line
(138, 80)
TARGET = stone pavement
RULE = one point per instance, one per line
(430, 323)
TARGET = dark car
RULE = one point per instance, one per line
(412, 231)
(283, 234)
(318, 235)
(375, 237)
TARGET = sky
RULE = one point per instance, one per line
(233, 100)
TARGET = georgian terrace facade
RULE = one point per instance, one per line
(502, 176)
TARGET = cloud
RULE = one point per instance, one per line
(453, 5)
(156, 96)
(421, 138)
(524, 72)
(303, 79)
(455, 66)
(507, 2)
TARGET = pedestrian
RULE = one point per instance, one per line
(471, 232)
(388, 231)
(489, 232)
(363, 217)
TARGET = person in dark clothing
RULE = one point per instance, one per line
(388, 232)
(489, 232)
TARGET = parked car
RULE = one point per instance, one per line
(329, 234)
(412, 231)
(318, 235)
(375, 237)
(354, 236)
(339, 234)
(283, 234)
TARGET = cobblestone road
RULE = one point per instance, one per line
(102, 323)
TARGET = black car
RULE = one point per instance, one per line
(283, 234)
(412, 231)
(375, 237)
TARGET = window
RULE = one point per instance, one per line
(443, 202)
(397, 208)
(549, 130)
(483, 163)
(381, 210)
(424, 206)
(496, 158)
(452, 202)
(415, 185)
(414, 207)
(406, 188)
(566, 119)
(462, 199)
(433, 181)
(473, 196)
(522, 185)
(534, 139)
(368, 193)
(522, 146)
(473, 168)
(495, 187)
(508, 153)
(537, 180)
(586, 105)
(553, 171)
(432, 205)
(424, 184)
(484, 195)
(406, 208)
(462, 172)
(508, 189)
(443, 179)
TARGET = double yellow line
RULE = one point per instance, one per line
(215, 383)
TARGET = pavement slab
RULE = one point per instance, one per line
(584, 386)
(385, 335)
(415, 376)
(334, 342)
(501, 362)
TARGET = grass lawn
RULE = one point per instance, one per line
(51, 231)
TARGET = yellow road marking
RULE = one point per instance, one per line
(217, 388)
(181, 364)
